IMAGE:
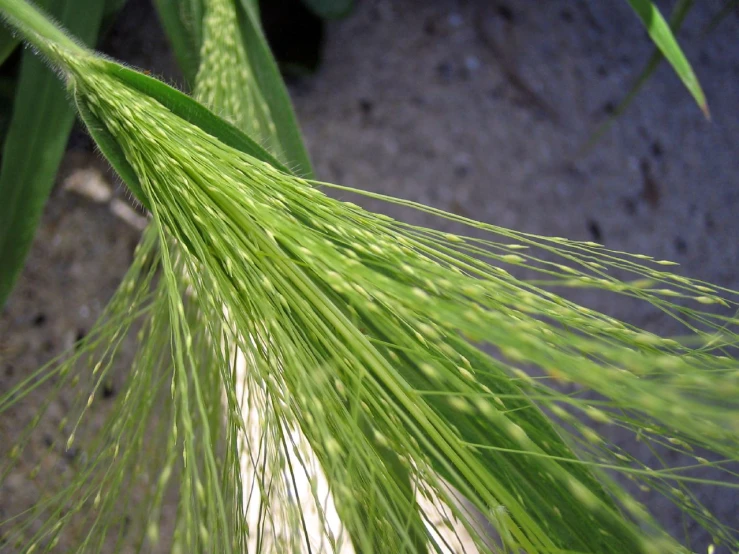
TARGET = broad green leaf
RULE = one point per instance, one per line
(182, 21)
(35, 143)
(252, 6)
(330, 9)
(112, 7)
(8, 42)
(7, 96)
(662, 36)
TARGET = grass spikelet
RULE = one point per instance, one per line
(344, 333)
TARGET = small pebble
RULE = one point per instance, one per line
(125, 212)
(90, 183)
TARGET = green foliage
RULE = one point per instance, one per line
(36, 139)
(284, 335)
(39, 126)
(182, 20)
(179, 104)
(660, 33)
(254, 90)
(8, 43)
(112, 7)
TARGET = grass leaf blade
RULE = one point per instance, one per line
(8, 42)
(178, 19)
(37, 137)
(660, 33)
(112, 7)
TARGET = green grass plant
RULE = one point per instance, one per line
(283, 333)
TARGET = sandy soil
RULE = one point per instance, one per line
(476, 107)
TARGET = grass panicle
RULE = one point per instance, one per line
(406, 375)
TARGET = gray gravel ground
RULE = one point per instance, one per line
(477, 107)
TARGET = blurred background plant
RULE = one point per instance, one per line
(262, 85)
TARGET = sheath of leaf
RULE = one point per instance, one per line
(295, 275)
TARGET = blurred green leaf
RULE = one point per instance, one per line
(8, 81)
(252, 6)
(182, 21)
(662, 36)
(112, 7)
(37, 137)
(330, 9)
(8, 42)
(110, 13)
(677, 18)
